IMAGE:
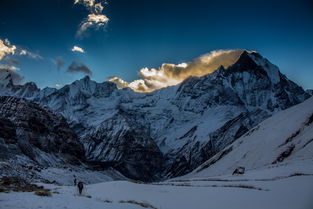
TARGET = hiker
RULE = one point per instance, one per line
(80, 186)
(75, 180)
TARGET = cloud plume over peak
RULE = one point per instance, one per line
(172, 74)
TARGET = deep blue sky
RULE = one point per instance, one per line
(147, 33)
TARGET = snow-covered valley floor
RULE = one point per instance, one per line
(287, 185)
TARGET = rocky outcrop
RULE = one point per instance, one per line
(126, 147)
(26, 129)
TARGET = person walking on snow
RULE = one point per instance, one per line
(75, 180)
(80, 187)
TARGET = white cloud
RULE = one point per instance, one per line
(171, 74)
(87, 3)
(6, 48)
(77, 49)
(92, 21)
(91, 5)
(29, 54)
(95, 19)
(98, 8)
(58, 85)
(8, 71)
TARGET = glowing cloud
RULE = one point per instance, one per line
(171, 74)
(91, 5)
(98, 8)
(87, 3)
(95, 19)
(77, 49)
(6, 48)
(92, 21)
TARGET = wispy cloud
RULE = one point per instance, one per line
(8, 71)
(77, 49)
(98, 8)
(95, 19)
(59, 62)
(91, 5)
(78, 67)
(171, 74)
(11, 60)
(29, 54)
(87, 3)
(7, 49)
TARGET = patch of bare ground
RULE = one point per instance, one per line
(43, 193)
(15, 184)
(142, 204)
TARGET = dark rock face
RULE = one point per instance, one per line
(239, 171)
(30, 130)
(126, 146)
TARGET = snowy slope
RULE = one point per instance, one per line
(290, 130)
(271, 188)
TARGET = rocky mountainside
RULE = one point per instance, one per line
(39, 134)
(35, 136)
(171, 131)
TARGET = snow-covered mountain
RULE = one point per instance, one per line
(278, 160)
(37, 143)
(171, 131)
(284, 140)
(276, 154)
